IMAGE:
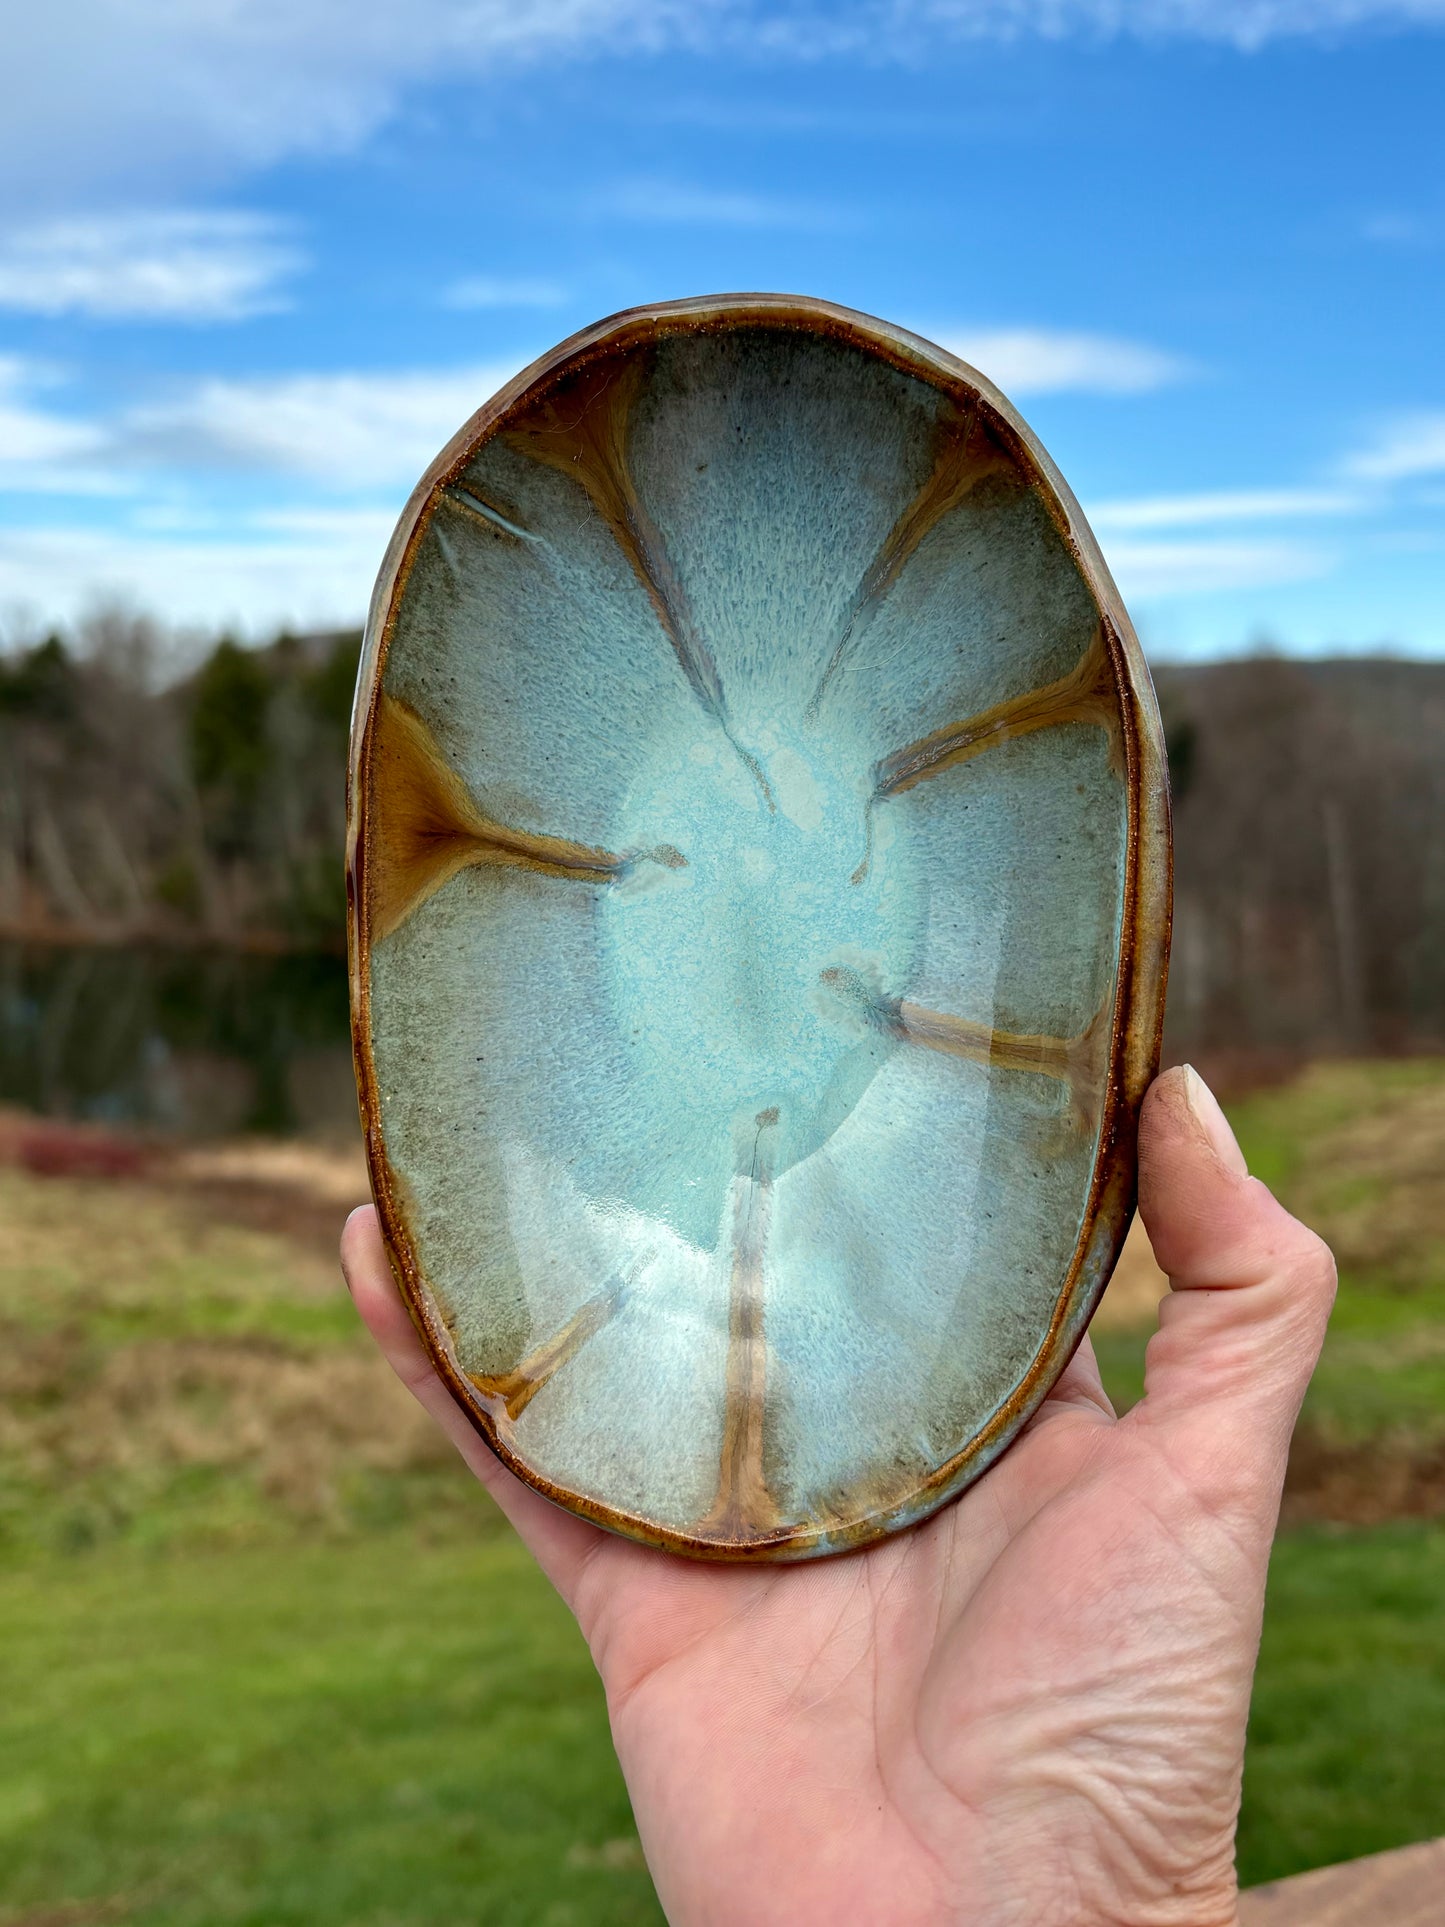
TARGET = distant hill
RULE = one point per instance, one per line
(1309, 824)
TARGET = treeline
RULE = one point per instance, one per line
(1309, 822)
(1309, 838)
(134, 803)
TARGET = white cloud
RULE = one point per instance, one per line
(482, 291)
(381, 429)
(675, 203)
(258, 581)
(1158, 570)
(348, 431)
(103, 97)
(1245, 24)
(351, 430)
(168, 265)
(1046, 361)
(350, 445)
(43, 452)
(1224, 505)
(1409, 446)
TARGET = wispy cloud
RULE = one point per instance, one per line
(1225, 505)
(1046, 361)
(201, 91)
(1245, 24)
(350, 430)
(1408, 446)
(168, 265)
(340, 450)
(679, 204)
(42, 450)
(117, 99)
(1158, 570)
(483, 291)
(256, 578)
(1394, 229)
(314, 566)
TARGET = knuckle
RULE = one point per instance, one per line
(1315, 1260)
(1309, 1268)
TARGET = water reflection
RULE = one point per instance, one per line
(199, 1042)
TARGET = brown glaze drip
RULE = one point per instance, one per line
(744, 1507)
(1076, 1061)
(1087, 694)
(426, 826)
(583, 431)
(516, 1389)
(965, 454)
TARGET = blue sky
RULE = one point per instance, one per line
(257, 263)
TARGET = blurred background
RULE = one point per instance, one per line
(265, 1653)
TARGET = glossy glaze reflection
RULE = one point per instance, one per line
(760, 873)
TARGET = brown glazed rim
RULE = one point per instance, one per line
(1138, 1012)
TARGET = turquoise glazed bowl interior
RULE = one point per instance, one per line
(760, 884)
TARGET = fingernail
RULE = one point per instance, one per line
(1204, 1108)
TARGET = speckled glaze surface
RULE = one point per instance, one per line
(760, 895)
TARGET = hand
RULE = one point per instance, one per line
(1030, 1709)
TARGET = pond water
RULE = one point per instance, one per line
(198, 1042)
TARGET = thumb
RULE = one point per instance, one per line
(1250, 1292)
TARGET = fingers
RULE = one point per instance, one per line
(558, 1541)
(1251, 1287)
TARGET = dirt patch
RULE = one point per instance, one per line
(295, 1189)
(1362, 1483)
(299, 1191)
(1132, 1296)
(73, 1913)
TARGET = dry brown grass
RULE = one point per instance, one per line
(1374, 1182)
(148, 1338)
(74, 1913)
(1368, 1175)
(1365, 1483)
(301, 1424)
(178, 1314)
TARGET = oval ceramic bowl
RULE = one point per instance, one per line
(760, 880)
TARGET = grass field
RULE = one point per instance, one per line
(267, 1656)
(368, 1732)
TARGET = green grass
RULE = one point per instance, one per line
(382, 1734)
(1382, 1372)
(268, 1657)
(1344, 1739)
(111, 1264)
(372, 1734)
